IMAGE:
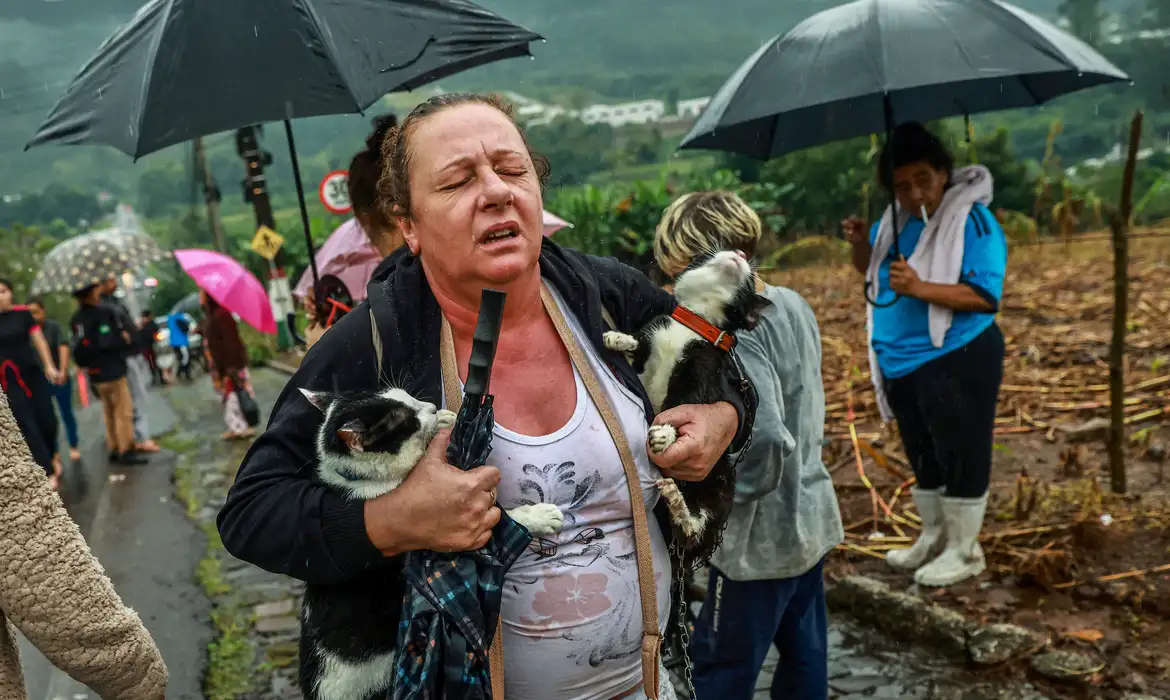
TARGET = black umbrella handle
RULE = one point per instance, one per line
(483, 346)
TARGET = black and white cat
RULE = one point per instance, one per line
(367, 445)
(678, 366)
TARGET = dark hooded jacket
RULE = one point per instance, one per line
(280, 518)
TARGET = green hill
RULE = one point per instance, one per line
(601, 50)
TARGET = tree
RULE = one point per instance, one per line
(1084, 18)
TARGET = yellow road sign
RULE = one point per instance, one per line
(267, 242)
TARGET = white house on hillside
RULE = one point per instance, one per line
(642, 112)
(692, 108)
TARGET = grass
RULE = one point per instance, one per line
(230, 656)
(179, 443)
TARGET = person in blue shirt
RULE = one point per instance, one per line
(936, 350)
(178, 327)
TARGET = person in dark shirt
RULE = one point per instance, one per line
(137, 369)
(23, 353)
(58, 343)
(100, 343)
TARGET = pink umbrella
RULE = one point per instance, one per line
(553, 223)
(229, 283)
(349, 256)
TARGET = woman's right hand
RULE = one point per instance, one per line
(438, 507)
(855, 231)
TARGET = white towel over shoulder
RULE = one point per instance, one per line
(937, 258)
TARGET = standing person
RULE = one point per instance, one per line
(147, 330)
(178, 327)
(137, 370)
(766, 584)
(100, 342)
(62, 393)
(467, 191)
(383, 233)
(229, 363)
(936, 355)
(23, 353)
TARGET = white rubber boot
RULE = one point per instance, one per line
(963, 557)
(933, 536)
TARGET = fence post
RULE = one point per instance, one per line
(1120, 228)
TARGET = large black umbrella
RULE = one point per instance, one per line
(863, 67)
(860, 68)
(182, 69)
(453, 604)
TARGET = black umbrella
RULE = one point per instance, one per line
(182, 69)
(863, 67)
(451, 610)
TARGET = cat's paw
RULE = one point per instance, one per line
(540, 519)
(444, 419)
(670, 492)
(621, 342)
(660, 437)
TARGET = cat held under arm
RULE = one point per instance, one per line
(679, 366)
(367, 445)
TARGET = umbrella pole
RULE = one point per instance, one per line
(292, 150)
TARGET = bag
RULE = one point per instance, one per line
(248, 407)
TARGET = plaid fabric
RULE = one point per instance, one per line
(450, 613)
(449, 617)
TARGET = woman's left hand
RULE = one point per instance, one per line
(903, 279)
(704, 432)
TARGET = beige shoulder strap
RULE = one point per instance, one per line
(651, 639)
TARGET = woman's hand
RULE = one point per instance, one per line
(855, 231)
(439, 507)
(704, 432)
(903, 278)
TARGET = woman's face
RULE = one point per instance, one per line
(918, 185)
(5, 297)
(475, 198)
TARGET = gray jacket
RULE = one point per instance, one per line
(785, 517)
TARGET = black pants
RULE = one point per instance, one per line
(946, 415)
(30, 397)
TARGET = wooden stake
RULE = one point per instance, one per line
(1120, 227)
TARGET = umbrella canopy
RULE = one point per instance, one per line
(187, 303)
(347, 255)
(230, 284)
(553, 223)
(160, 80)
(863, 67)
(93, 258)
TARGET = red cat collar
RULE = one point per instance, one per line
(723, 340)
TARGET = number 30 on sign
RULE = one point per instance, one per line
(334, 192)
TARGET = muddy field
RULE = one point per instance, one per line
(1066, 557)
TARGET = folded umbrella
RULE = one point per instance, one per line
(230, 284)
(453, 605)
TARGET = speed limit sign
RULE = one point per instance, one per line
(334, 192)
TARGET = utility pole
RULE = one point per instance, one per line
(211, 195)
(255, 186)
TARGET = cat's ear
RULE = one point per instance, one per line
(320, 399)
(351, 435)
(755, 306)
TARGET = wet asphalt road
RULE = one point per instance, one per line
(149, 549)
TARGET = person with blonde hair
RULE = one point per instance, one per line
(766, 582)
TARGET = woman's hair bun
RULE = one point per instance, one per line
(382, 125)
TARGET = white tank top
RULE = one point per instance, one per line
(572, 615)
